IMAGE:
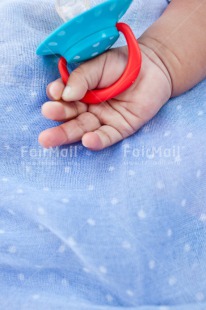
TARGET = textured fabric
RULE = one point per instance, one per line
(124, 228)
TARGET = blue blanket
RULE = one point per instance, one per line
(124, 228)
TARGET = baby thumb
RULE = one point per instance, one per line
(82, 79)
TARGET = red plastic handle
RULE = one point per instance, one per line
(124, 82)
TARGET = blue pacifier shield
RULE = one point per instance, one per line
(87, 35)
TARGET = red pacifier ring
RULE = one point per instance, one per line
(124, 82)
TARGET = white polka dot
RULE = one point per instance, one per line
(53, 43)
(130, 293)
(33, 94)
(4, 179)
(167, 133)
(131, 172)
(98, 13)
(126, 245)
(61, 33)
(198, 174)
(41, 211)
(24, 127)
(90, 187)
(142, 215)
(28, 169)
(64, 282)
(79, 20)
(96, 44)
(65, 200)
(152, 264)
(114, 201)
(62, 248)
(200, 113)
(120, 15)
(183, 202)
(104, 35)
(71, 241)
(111, 168)
(109, 298)
(112, 7)
(179, 107)
(91, 222)
(2, 232)
(203, 217)
(45, 189)
(35, 296)
(9, 109)
(169, 232)
(172, 281)
(77, 57)
(187, 247)
(111, 38)
(11, 212)
(199, 296)
(190, 135)
(103, 269)
(7, 146)
(88, 153)
(146, 128)
(12, 249)
(95, 54)
(67, 169)
(160, 185)
(38, 266)
(20, 191)
(21, 276)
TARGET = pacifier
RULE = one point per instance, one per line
(90, 29)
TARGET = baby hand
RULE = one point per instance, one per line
(102, 125)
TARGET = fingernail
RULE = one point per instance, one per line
(54, 92)
(67, 93)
